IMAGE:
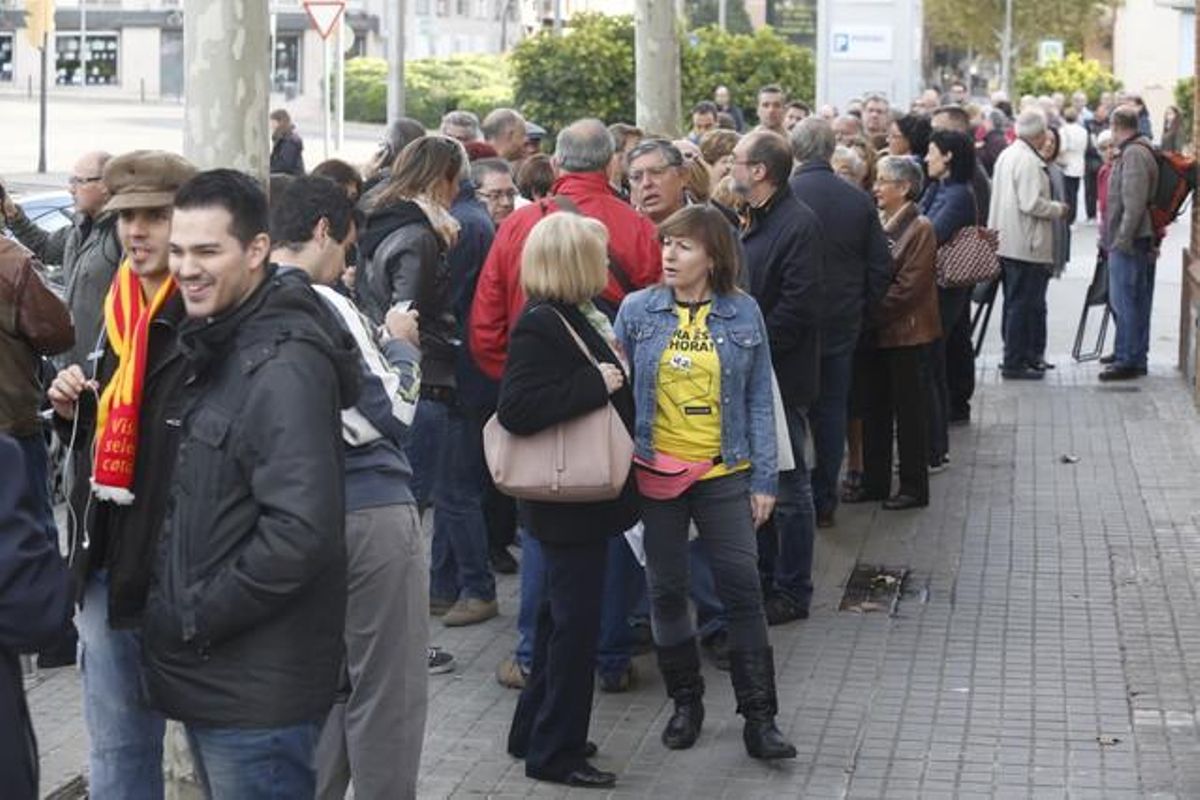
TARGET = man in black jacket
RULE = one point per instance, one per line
(243, 625)
(35, 604)
(858, 270)
(113, 543)
(785, 258)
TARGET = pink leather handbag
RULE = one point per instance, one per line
(586, 459)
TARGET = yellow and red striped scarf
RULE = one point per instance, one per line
(127, 319)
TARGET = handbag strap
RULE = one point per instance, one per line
(571, 330)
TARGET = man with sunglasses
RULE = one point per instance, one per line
(88, 252)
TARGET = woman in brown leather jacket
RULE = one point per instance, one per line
(906, 320)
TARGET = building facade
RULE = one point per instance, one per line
(134, 48)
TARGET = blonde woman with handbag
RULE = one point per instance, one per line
(563, 364)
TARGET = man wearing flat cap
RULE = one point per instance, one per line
(122, 419)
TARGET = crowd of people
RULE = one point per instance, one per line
(260, 394)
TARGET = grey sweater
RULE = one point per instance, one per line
(1131, 186)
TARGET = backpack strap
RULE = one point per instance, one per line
(615, 267)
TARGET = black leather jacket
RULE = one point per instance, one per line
(243, 625)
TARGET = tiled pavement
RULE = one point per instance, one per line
(1043, 647)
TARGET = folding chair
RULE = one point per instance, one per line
(1097, 295)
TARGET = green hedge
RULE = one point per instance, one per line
(433, 86)
(589, 72)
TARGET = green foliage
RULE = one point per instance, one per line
(366, 90)
(973, 25)
(433, 86)
(702, 13)
(588, 72)
(1071, 74)
(553, 89)
(1184, 96)
(745, 64)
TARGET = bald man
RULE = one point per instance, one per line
(88, 252)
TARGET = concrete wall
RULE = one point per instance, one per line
(1148, 56)
(139, 54)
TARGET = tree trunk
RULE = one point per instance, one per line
(657, 58)
(395, 55)
(227, 49)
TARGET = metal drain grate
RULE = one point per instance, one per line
(872, 587)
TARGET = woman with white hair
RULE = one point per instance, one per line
(905, 322)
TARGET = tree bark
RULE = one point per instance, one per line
(227, 50)
(657, 60)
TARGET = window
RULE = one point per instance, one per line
(443, 8)
(285, 68)
(102, 59)
(6, 58)
(463, 8)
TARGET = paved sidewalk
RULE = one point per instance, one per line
(1044, 645)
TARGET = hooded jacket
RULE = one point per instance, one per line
(243, 625)
(404, 259)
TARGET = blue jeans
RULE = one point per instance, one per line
(446, 453)
(827, 416)
(621, 586)
(790, 571)
(1130, 292)
(256, 763)
(1024, 325)
(126, 735)
(37, 470)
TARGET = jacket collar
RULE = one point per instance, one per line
(755, 217)
(896, 226)
(662, 300)
(813, 165)
(583, 183)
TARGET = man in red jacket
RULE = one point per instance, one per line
(583, 152)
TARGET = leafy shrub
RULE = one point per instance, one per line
(587, 72)
(1071, 74)
(1184, 95)
(745, 63)
(554, 88)
(433, 86)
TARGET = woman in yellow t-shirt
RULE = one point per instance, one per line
(705, 451)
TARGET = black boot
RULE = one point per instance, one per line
(753, 673)
(680, 666)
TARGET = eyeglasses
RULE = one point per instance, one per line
(635, 176)
(502, 194)
(75, 180)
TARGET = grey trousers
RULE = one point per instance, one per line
(373, 736)
(721, 509)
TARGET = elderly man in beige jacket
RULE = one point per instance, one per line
(1022, 211)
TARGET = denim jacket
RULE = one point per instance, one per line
(644, 326)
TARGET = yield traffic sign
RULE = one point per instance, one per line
(324, 15)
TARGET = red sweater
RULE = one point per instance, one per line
(498, 297)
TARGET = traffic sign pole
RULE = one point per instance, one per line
(326, 96)
(325, 16)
